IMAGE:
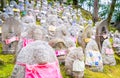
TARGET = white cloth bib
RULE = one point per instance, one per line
(78, 65)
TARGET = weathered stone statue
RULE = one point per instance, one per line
(101, 31)
(60, 48)
(13, 3)
(4, 16)
(29, 18)
(39, 56)
(86, 35)
(108, 53)
(116, 42)
(61, 32)
(93, 58)
(8, 10)
(11, 30)
(74, 63)
(79, 39)
(69, 42)
(29, 35)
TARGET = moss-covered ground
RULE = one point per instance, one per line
(7, 66)
(109, 71)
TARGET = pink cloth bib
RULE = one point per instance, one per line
(27, 41)
(50, 70)
(74, 39)
(109, 51)
(61, 52)
(8, 41)
(115, 45)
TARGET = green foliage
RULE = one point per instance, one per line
(7, 58)
(6, 70)
(118, 17)
(1, 62)
(0, 48)
(109, 72)
(86, 14)
(104, 10)
(111, 28)
(116, 14)
(62, 68)
(7, 67)
(69, 1)
(81, 1)
(38, 23)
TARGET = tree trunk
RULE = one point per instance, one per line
(95, 13)
(75, 3)
(3, 4)
(1, 8)
(111, 11)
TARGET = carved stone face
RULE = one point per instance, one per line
(38, 34)
(59, 46)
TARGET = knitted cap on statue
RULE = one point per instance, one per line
(37, 60)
